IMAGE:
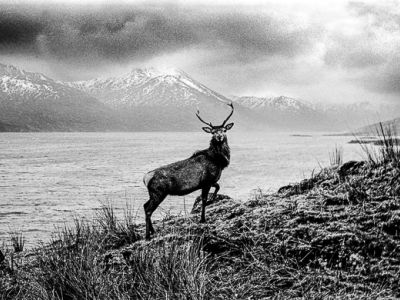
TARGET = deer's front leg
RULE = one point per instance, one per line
(204, 196)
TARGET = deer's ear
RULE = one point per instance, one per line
(228, 126)
(207, 129)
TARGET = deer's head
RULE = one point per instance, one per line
(219, 131)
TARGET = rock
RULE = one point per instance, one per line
(298, 188)
(286, 189)
(197, 203)
(336, 200)
(349, 168)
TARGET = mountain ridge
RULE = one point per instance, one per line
(141, 82)
(283, 112)
(161, 100)
(34, 102)
(151, 99)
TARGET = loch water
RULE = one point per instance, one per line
(47, 179)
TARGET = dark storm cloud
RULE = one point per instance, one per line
(18, 30)
(131, 32)
(254, 35)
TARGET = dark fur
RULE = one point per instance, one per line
(219, 153)
(201, 171)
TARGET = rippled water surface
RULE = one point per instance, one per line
(47, 178)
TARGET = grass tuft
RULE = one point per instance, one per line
(336, 156)
(17, 241)
(388, 150)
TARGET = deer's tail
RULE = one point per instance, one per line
(147, 177)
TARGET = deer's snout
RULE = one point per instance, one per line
(219, 137)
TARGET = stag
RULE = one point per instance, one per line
(200, 171)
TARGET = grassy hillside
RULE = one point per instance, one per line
(335, 235)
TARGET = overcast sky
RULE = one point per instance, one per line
(320, 51)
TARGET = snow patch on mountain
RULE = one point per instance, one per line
(12, 85)
(280, 103)
(148, 87)
(19, 84)
(34, 102)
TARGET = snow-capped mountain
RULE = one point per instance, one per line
(149, 87)
(15, 82)
(33, 101)
(285, 112)
(280, 103)
(290, 113)
(154, 99)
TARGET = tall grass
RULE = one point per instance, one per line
(390, 144)
(388, 150)
(115, 233)
(81, 263)
(171, 270)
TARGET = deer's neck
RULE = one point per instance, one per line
(220, 152)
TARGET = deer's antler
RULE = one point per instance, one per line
(198, 116)
(231, 105)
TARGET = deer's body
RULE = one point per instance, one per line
(200, 171)
(186, 176)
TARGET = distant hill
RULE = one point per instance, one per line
(9, 127)
(348, 117)
(372, 129)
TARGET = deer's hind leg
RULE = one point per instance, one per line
(149, 207)
(216, 186)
